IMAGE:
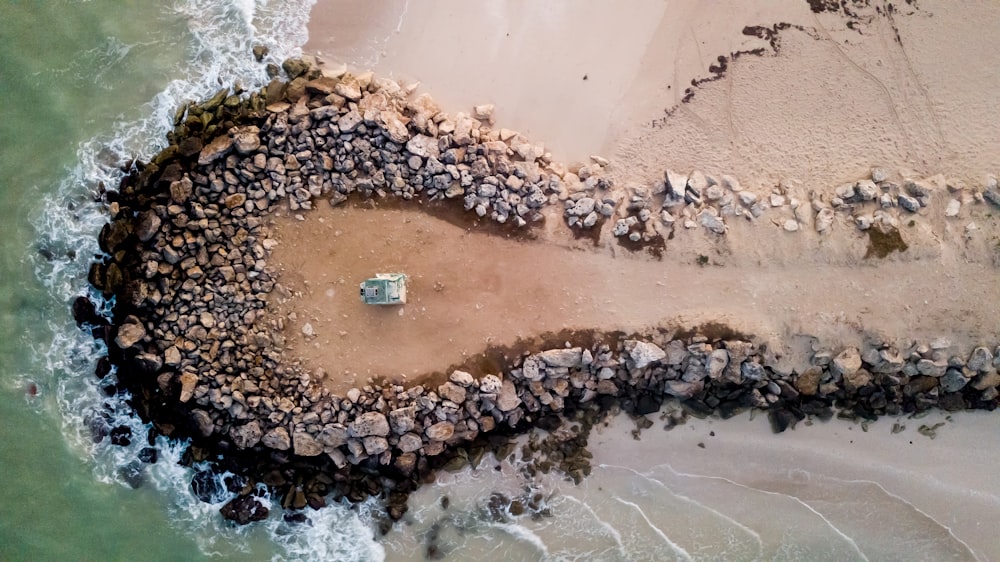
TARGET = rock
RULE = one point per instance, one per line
(305, 445)
(676, 183)
(986, 380)
(857, 379)
(866, 190)
(130, 333)
(847, 362)
(307, 330)
(570, 358)
(507, 400)
(244, 510)
(441, 431)
(483, 112)
(295, 67)
(202, 422)
(712, 222)
(277, 439)
(247, 435)
(147, 225)
(909, 203)
(235, 200)
(718, 360)
(423, 146)
(332, 435)
(807, 383)
(246, 139)
(216, 149)
(452, 391)
(980, 360)
(953, 381)
(461, 378)
(643, 353)
(824, 219)
(369, 423)
(172, 356)
(683, 389)
(348, 89)
(992, 196)
(403, 420)
(953, 208)
(791, 225)
(879, 174)
(375, 445)
(394, 126)
(490, 384)
(409, 442)
(189, 381)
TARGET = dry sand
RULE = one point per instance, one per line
(912, 90)
(829, 98)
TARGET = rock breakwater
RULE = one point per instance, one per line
(191, 338)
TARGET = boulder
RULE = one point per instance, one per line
(130, 333)
(856, 379)
(847, 362)
(508, 399)
(202, 422)
(305, 445)
(332, 435)
(244, 510)
(246, 139)
(219, 147)
(712, 222)
(570, 358)
(452, 391)
(403, 420)
(189, 381)
(490, 384)
(147, 225)
(980, 360)
(247, 435)
(807, 383)
(375, 445)
(683, 389)
(441, 431)
(953, 381)
(278, 439)
(423, 146)
(718, 360)
(409, 442)
(369, 423)
(643, 353)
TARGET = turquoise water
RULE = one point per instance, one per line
(84, 84)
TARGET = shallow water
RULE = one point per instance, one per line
(84, 85)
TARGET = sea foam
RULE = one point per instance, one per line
(217, 50)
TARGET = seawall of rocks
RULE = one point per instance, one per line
(191, 339)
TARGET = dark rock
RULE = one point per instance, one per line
(647, 404)
(781, 419)
(206, 487)
(549, 423)
(244, 509)
(121, 435)
(149, 455)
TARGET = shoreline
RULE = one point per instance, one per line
(163, 217)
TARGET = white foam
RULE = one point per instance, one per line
(218, 47)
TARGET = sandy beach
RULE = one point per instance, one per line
(825, 97)
(821, 102)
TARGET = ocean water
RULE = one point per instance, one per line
(87, 84)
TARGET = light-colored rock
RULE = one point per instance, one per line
(305, 445)
(718, 360)
(980, 360)
(807, 383)
(643, 353)
(219, 147)
(189, 381)
(712, 222)
(461, 378)
(410, 442)
(332, 435)
(403, 420)
(570, 358)
(375, 445)
(484, 112)
(247, 435)
(423, 146)
(369, 423)
(953, 208)
(441, 431)
(130, 333)
(452, 391)
(277, 439)
(824, 219)
(246, 139)
(508, 399)
(847, 362)
(676, 183)
(683, 389)
(791, 225)
(490, 384)
(348, 89)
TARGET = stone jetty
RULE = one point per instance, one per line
(191, 337)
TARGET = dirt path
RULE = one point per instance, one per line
(470, 290)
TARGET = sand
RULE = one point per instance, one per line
(911, 89)
(831, 97)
